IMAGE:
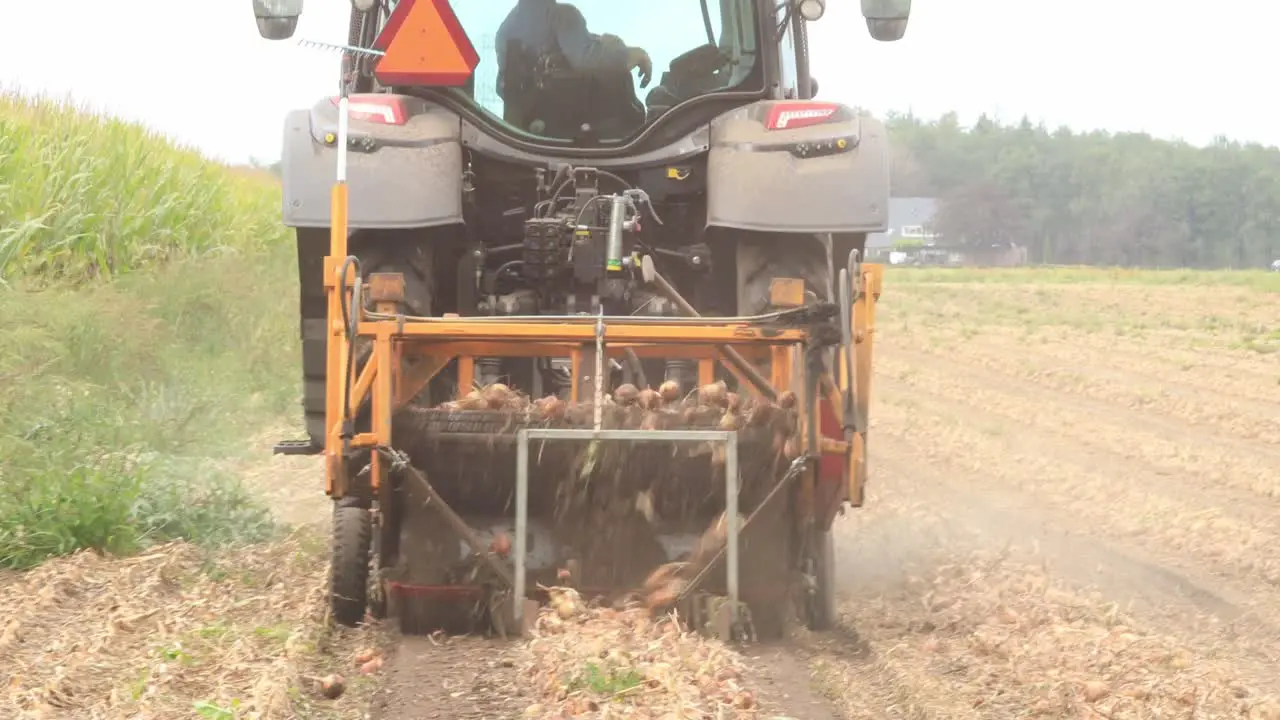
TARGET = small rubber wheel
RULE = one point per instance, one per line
(822, 608)
(349, 563)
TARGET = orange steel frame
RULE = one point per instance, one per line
(388, 382)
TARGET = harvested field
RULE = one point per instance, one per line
(1074, 504)
(1074, 491)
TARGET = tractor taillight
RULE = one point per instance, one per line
(792, 115)
(377, 107)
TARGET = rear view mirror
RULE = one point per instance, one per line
(886, 19)
(277, 19)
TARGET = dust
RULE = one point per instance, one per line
(1068, 517)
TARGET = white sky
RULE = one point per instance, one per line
(198, 71)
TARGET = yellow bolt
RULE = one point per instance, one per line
(330, 138)
(841, 143)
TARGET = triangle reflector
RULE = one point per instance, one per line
(425, 45)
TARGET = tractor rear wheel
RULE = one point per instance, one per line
(765, 256)
(349, 562)
(401, 252)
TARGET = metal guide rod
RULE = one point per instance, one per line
(729, 438)
(598, 411)
(735, 358)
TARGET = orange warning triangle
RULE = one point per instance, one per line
(425, 45)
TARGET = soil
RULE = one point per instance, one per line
(1071, 515)
(450, 677)
(1073, 509)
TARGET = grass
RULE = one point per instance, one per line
(143, 331)
(84, 196)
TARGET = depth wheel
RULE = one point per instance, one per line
(349, 563)
(822, 603)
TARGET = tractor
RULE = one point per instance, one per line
(573, 202)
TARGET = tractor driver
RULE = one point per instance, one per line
(561, 76)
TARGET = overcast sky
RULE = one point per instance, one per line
(198, 71)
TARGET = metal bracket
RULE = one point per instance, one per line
(297, 447)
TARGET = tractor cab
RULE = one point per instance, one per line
(590, 73)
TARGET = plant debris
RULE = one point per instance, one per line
(1011, 641)
(592, 661)
(175, 632)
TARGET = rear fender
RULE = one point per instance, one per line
(823, 168)
(400, 176)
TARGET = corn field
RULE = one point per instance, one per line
(84, 196)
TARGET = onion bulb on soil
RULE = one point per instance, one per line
(332, 686)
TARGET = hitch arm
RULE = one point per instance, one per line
(731, 354)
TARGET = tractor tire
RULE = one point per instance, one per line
(765, 256)
(822, 609)
(381, 252)
(349, 562)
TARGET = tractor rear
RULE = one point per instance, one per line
(563, 336)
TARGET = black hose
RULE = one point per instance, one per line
(804, 78)
(351, 325)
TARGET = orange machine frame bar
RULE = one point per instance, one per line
(437, 341)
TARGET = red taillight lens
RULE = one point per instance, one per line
(792, 115)
(377, 107)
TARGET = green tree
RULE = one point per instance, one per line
(1093, 198)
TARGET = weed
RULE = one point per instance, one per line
(605, 682)
(210, 711)
(115, 395)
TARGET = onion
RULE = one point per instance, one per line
(332, 686)
(714, 394)
(550, 408)
(648, 399)
(473, 400)
(669, 391)
(787, 400)
(626, 394)
(734, 401)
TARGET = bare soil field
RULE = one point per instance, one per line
(1074, 505)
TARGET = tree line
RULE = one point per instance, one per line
(1092, 198)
